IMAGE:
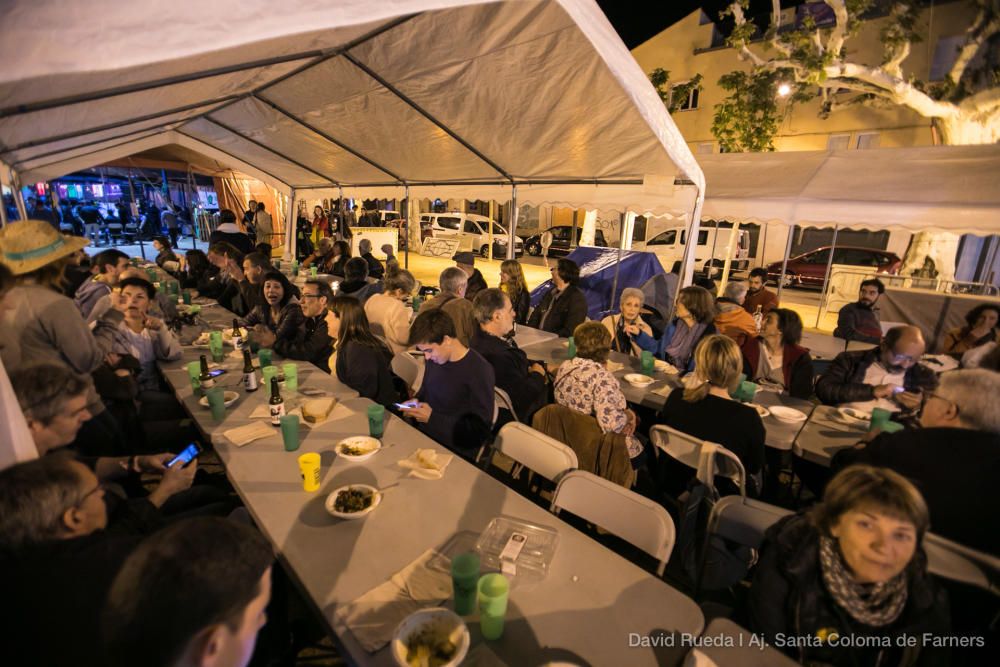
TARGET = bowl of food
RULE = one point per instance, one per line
(434, 637)
(353, 502)
(854, 416)
(229, 397)
(358, 448)
(790, 415)
(665, 367)
(761, 410)
(638, 380)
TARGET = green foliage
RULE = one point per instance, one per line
(673, 95)
(747, 119)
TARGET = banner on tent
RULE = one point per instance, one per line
(439, 247)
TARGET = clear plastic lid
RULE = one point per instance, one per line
(523, 551)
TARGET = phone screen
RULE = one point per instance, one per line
(217, 372)
(406, 406)
(185, 457)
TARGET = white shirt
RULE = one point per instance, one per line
(769, 367)
(875, 375)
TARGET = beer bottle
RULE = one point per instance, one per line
(277, 403)
(205, 379)
(237, 336)
(249, 374)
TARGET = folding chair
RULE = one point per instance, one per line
(503, 401)
(637, 520)
(687, 449)
(535, 451)
(408, 368)
(956, 562)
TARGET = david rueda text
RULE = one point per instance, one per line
(687, 640)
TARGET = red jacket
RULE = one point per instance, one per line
(767, 301)
(796, 366)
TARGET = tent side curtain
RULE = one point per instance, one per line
(935, 188)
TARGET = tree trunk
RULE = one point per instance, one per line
(968, 129)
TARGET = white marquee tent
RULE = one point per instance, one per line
(533, 100)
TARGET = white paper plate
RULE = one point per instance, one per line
(852, 415)
(761, 410)
(784, 414)
(371, 444)
(638, 380)
(332, 498)
(229, 397)
(441, 620)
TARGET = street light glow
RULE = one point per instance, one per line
(784, 89)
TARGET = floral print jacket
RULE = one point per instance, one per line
(589, 388)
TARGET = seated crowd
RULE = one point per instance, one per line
(179, 575)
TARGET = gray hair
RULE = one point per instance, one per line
(400, 280)
(364, 246)
(632, 293)
(736, 290)
(325, 244)
(486, 303)
(43, 389)
(453, 280)
(34, 496)
(974, 391)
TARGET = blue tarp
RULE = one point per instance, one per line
(597, 275)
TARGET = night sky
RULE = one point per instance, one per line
(638, 20)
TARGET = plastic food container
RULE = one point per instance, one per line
(522, 551)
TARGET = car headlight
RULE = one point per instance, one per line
(501, 241)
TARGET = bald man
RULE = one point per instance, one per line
(889, 376)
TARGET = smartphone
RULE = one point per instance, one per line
(898, 390)
(189, 454)
(217, 372)
(407, 405)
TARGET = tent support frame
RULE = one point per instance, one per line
(98, 150)
(147, 132)
(511, 237)
(826, 276)
(784, 260)
(18, 195)
(193, 138)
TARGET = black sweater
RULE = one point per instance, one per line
(309, 342)
(527, 390)
(455, 389)
(365, 369)
(568, 311)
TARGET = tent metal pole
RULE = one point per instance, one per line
(687, 260)
(20, 164)
(18, 195)
(784, 261)
(511, 238)
(269, 174)
(261, 144)
(618, 264)
(291, 235)
(406, 227)
(826, 277)
(3, 211)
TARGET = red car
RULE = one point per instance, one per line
(809, 268)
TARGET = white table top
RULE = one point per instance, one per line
(727, 644)
(584, 611)
(826, 347)
(826, 433)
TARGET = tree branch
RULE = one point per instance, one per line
(894, 65)
(776, 43)
(980, 30)
(891, 88)
(985, 101)
(835, 44)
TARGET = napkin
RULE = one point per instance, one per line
(373, 617)
(614, 366)
(244, 435)
(665, 367)
(264, 412)
(664, 391)
(426, 464)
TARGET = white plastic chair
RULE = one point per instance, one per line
(687, 449)
(743, 520)
(535, 451)
(407, 367)
(503, 401)
(637, 520)
(956, 562)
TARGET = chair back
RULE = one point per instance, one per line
(407, 367)
(535, 451)
(503, 401)
(635, 519)
(956, 562)
(743, 520)
(707, 458)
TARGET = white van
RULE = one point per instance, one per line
(710, 252)
(472, 229)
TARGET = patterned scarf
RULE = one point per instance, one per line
(876, 605)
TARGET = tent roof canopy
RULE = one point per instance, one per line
(947, 188)
(333, 93)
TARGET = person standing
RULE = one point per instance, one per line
(513, 284)
(229, 232)
(320, 225)
(859, 321)
(169, 219)
(263, 224)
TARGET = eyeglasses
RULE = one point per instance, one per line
(310, 296)
(96, 489)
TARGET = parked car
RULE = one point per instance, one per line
(561, 235)
(710, 248)
(472, 229)
(809, 269)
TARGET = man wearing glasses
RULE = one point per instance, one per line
(311, 341)
(889, 376)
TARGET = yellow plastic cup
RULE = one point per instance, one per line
(309, 468)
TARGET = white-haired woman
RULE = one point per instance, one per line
(625, 325)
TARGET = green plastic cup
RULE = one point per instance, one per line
(313, 271)
(291, 372)
(880, 417)
(416, 301)
(268, 372)
(174, 287)
(194, 309)
(217, 402)
(264, 355)
(376, 420)
(215, 346)
(571, 350)
(493, 592)
(892, 427)
(174, 298)
(464, 579)
(747, 391)
(290, 432)
(647, 362)
(186, 297)
(735, 393)
(194, 372)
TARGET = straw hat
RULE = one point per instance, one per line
(31, 244)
